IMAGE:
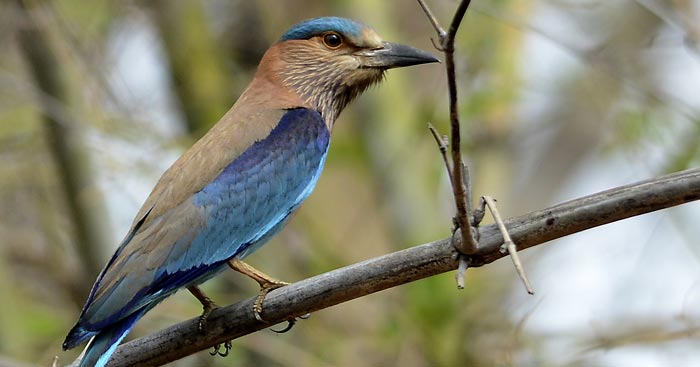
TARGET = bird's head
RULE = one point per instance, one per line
(329, 61)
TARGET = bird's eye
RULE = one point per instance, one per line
(332, 40)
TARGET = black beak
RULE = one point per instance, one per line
(394, 55)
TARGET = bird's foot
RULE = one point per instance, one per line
(267, 283)
(206, 310)
(207, 306)
(217, 349)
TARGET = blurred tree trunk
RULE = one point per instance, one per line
(201, 82)
(63, 140)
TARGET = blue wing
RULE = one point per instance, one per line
(247, 203)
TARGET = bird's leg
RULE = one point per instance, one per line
(267, 283)
(208, 306)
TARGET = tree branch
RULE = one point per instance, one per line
(408, 265)
(461, 192)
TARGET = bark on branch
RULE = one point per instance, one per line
(408, 265)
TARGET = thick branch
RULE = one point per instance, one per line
(408, 265)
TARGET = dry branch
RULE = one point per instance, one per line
(408, 265)
(460, 190)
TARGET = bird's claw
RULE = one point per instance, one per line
(207, 309)
(266, 288)
(267, 283)
(202, 324)
(217, 349)
(290, 324)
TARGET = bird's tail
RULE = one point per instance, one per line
(105, 342)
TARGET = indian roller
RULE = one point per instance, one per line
(237, 186)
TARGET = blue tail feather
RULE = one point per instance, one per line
(106, 341)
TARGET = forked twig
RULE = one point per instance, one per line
(466, 220)
(468, 245)
(442, 35)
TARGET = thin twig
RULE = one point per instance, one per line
(442, 145)
(438, 29)
(508, 244)
(461, 271)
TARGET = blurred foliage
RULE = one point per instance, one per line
(141, 80)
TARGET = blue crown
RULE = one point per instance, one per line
(317, 26)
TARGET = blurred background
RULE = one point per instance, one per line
(559, 99)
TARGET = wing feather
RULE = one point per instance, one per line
(244, 205)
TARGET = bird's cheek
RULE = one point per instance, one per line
(368, 76)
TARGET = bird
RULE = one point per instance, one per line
(238, 185)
